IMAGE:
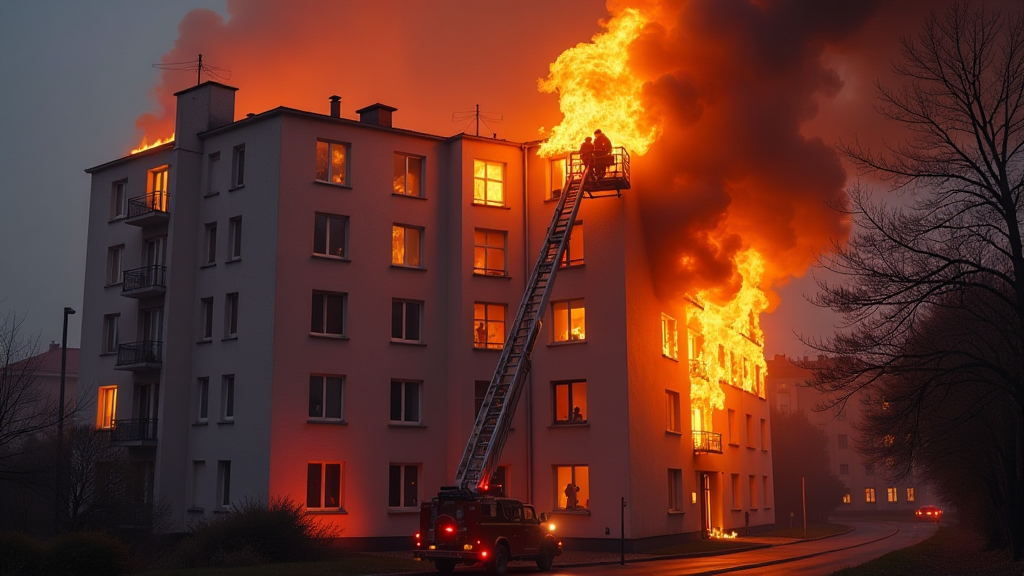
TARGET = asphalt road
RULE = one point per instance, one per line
(867, 541)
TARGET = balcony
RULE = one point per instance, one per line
(705, 442)
(148, 210)
(610, 175)
(140, 356)
(144, 282)
(134, 432)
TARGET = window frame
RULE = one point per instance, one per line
(212, 173)
(486, 343)
(406, 157)
(323, 396)
(869, 496)
(209, 244)
(322, 481)
(571, 305)
(111, 333)
(675, 490)
(486, 248)
(573, 478)
(891, 494)
(345, 181)
(486, 182)
(404, 327)
(231, 315)
(118, 199)
(237, 167)
(669, 337)
(404, 489)
(404, 419)
(328, 237)
(234, 239)
(115, 265)
(327, 298)
(404, 241)
(556, 190)
(573, 255)
(223, 484)
(571, 395)
(106, 407)
(673, 410)
(158, 187)
(202, 407)
(206, 319)
(227, 398)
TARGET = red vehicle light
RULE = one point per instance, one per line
(483, 554)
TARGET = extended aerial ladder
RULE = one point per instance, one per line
(605, 176)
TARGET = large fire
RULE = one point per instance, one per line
(146, 144)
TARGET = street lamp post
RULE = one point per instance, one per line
(60, 422)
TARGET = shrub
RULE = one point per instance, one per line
(254, 533)
(85, 554)
(19, 554)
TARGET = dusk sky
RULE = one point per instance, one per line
(756, 128)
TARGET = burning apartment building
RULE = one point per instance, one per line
(305, 305)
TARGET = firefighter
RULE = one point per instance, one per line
(587, 152)
(570, 496)
(602, 153)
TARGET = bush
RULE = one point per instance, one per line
(255, 533)
(19, 554)
(85, 554)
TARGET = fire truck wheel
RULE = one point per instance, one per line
(545, 559)
(444, 565)
(499, 564)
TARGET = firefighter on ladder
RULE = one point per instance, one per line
(602, 153)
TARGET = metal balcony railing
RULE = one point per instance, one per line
(145, 352)
(153, 277)
(152, 202)
(136, 430)
(706, 442)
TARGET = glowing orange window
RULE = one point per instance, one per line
(106, 407)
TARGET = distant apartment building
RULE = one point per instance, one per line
(304, 305)
(867, 485)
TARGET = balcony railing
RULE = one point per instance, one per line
(609, 177)
(145, 281)
(147, 209)
(705, 442)
(143, 355)
(141, 431)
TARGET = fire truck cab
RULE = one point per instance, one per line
(461, 527)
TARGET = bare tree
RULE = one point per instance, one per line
(952, 250)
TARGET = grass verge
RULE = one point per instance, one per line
(952, 550)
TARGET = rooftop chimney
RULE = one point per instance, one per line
(335, 106)
(54, 346)
(377, 114)
(200, 108)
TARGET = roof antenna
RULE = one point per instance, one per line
(477, 117)
(212, 72)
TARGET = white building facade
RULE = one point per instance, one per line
(308, 306)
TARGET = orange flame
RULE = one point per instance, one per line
(146, 145)
(597, 89)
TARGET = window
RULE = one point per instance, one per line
(227, 398)
(106, 407)
(111, 329)
(752, 481)
(489, 252)
(571, 402)
(406, 321)
(572, 487)
(235, 238)
(115, 256)
(202, 399)
(231, 315)
(328, 314)
(750, 431)
(489, 325)
(119, 199)
(675, 490)
(846, 498)
(488, 183)
(403, 485)
(890, 494)
(673, 420)
(844, 442)
(479, 392)
(210, 244)
(737, 493)
(405, 402)
(869, 469)
(669, 337)
(764, 434)
(869, 495)
(238, 167)
(408, 175)
(323, 486)
(406, 246)
(844, 469)
(910, 494)
(206, 309)
(569, 320)
(224, 483)
(213, 175)
(332, 162)
(330, 235)
(326, 398)
(573, 255)
(733, 433)
(557, 177)
(156, 199)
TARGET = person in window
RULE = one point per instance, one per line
(602, 153)
(481, 335)
(570, 496)
(577, 416)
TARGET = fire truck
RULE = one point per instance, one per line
(473, 521)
